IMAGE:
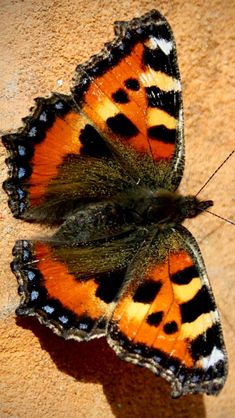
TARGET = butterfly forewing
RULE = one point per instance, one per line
(58, 161)
(132, 92)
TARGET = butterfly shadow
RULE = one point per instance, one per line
(131, 391)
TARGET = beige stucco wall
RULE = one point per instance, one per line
(41, 43)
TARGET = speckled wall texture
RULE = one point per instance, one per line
(41, 43)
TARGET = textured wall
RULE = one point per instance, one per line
(41, 43)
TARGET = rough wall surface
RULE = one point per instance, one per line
(41, 43)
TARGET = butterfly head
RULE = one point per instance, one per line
(191, 206)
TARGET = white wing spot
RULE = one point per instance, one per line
(165, 46)
(215, 356)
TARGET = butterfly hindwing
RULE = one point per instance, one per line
(166, 318)
(49, 292)
(72, 286)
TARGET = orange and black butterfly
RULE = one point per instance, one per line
(104, 165)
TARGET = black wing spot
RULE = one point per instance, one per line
(170, 327)
(93, 144)
(147, 291)
(109, 285)
(201, 303)
(155, 318)
(120, 96)
(203, 345)
(159, 61)
(121, 125)
(132, 84)
(163, 134)
(167, 101)
(184, 276)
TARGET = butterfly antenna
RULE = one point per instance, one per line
(216, 171)
(220, 217)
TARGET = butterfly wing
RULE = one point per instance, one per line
(132, 93)
(57, 161)
(166, 318)
(122, 126)
(69, 286)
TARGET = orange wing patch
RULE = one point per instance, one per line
(79, 296)
(61, 139)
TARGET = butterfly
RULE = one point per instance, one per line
(103, 166)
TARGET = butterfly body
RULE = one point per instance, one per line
(103, 165)
(138, 207)
(148, 207)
